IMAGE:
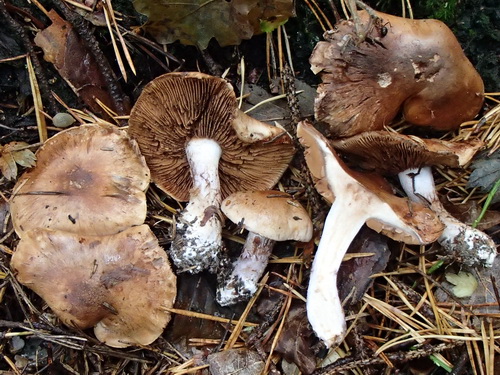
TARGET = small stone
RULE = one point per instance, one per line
(62, 120)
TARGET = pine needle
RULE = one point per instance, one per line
(37, 102)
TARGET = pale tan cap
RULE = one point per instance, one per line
(271, 214)
(89, 180)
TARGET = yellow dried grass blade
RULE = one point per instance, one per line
(239, 325)
(113, 42)
(37, 102)
(120, 37)
(208, 317)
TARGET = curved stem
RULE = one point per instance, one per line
(241, 284)
(470, 244)
(324, 308)
(197, 242)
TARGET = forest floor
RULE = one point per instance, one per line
(404, 317)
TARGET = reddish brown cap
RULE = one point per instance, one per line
(271, 214)
(177, 107)
(391, 153)
(414, 65)
(121, 283)
(90, 179)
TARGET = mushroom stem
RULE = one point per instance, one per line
(197, 242)
(471, 245)
(324, 308)
(241, 284)
(356, 199)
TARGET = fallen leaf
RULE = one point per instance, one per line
(469, 211)
(465, 283)
(354, 275)
(195, 22)
(296, 340)
(12, 154)
(235, 362)
(486, 171)
(197, 293)
(75, 63)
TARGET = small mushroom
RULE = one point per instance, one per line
(414, 65)
(200, 149)
(89, 179)
(411, 158)
(121, 283)
(357, 199)
(269, 216)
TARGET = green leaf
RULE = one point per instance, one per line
(269, 26)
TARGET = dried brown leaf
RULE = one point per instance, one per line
(195, 22)
(235, 361)
(297, 339)
(12, 154)
(74, 62)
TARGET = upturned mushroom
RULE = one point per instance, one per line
(412, 158)
(416, 66)
(119, 284)
(269, 216)
(201, 148)
(89, 179)
(357, 199)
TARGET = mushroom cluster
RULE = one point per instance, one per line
(201, 148)
(84, 248)
(416, 67)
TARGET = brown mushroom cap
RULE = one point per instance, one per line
(176, 107)
(271, 214)
(418, 65)
(390, 153)
(90, 179)
(421, 220)
(121, 283)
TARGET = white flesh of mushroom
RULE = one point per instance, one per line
(470, 244)
(242, 283)
(197, 243)
(353, 206)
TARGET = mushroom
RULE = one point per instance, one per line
(269, 216)
(414, 65)
(122, 284)
(200, 149)
(357, 199)
(89, 179)
(411, 159)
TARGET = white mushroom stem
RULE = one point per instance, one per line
(357, 199)
(324, 308)
(197, 243)
(247, 270)
(472, 246)
(354, 205)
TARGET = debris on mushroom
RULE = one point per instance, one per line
(414, 65)
(269, 216)
(89, 179)
(201, 148)
(411, 158)
(357, 199)
(119, 284)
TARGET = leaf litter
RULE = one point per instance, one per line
(404, 315)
